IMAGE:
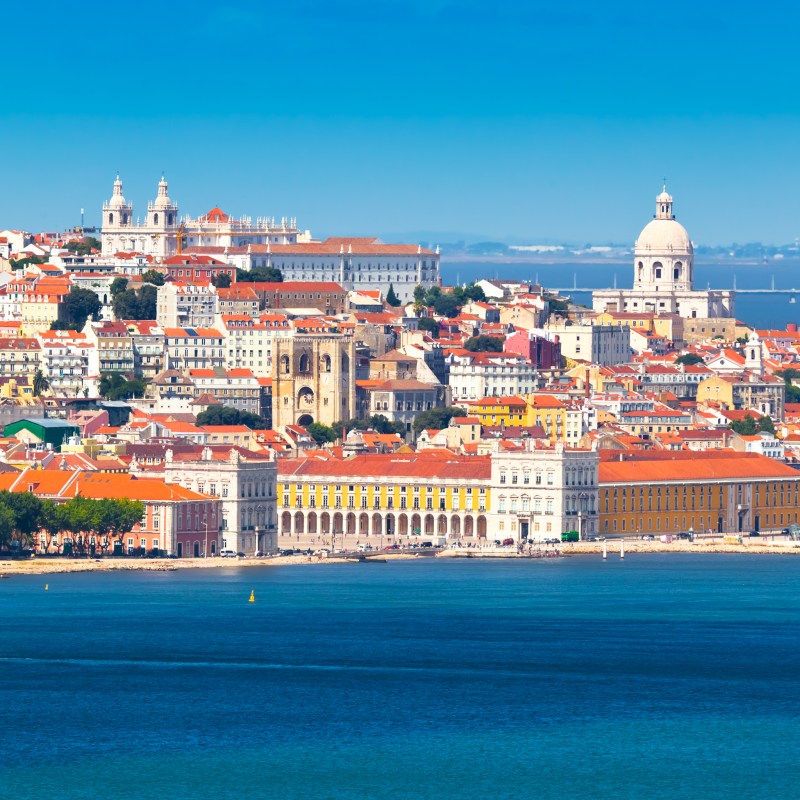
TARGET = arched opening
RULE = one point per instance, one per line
(325, 523)
(305, 420)
(305, 397)
(481, 527)
(213, 548)
(299, 523)
(304, 365)
(402, 525)
(377, 527)
(468, 526)
(312, 522)
(442, 529)
(155, 219)
(285, 365)
(169, 219)
(345, 364)
(337, 524)
(125, 219)
(455, 526)
(363, 525)
(326, 363)
(657, 266)
(390, 526)
(286, 523)
(428, 524)
(110, 219)
(197, 549)
(351, 524)
(416, 525)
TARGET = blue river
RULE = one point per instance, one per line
(669, 676)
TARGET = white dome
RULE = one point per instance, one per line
(665, 236)
(664, 197)
(117, 198)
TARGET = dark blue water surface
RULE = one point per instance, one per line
(654, 677)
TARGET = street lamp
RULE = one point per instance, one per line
(205, 552)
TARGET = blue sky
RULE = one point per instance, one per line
(537, 121)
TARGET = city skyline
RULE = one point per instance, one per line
(364, 119)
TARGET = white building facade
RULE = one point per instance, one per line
(478, 375)
(539, 494)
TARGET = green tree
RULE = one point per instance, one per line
(377, 422)
(79, 305)
(430, 325)
(322, 434)
(446, 305)
(114, 386)
(260, 275)
(227, 415)
(40, 383)
(27, 510)
(7, 520)
(53, 522)
(475, 293)
(153, 276)
(133, 304)
(484, 344)
(751, 425)
(436, 418)
(391, 298)
(21, 263)
(689, 359)
(118, 285)
(85, 247)
(221, 281)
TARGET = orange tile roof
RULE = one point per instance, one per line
(692, 467)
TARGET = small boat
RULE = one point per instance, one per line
(792, 299)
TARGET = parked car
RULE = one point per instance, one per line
(226, 552)
(426, 544)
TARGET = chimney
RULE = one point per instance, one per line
(586, 385)
(791, 327)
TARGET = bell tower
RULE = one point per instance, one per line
(117, 229)
(313, 379)
(162, 221)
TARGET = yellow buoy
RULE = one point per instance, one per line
(252, 596)
(46, 586)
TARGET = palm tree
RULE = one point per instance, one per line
(40, 383)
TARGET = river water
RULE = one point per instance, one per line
(659, 676)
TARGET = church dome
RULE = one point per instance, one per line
(162, 199)
(117, 198)
(664, 236)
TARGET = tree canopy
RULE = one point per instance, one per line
(484, 344)
(750, 425)
(153, 276)
(436, 418)
(85, 247)
(136, 304)
(114, 386)
(689, 359)
(221, 281)
(23, 514)
(227, 415)
(79, 305)
(430, 325)
(323, 434)
(259, 274)
(391, 297)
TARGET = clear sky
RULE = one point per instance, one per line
(540, 121)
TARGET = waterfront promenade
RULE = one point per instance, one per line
(46, 566)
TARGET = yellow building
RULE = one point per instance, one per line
(369, 497)
(675, 492)
(506, 411)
